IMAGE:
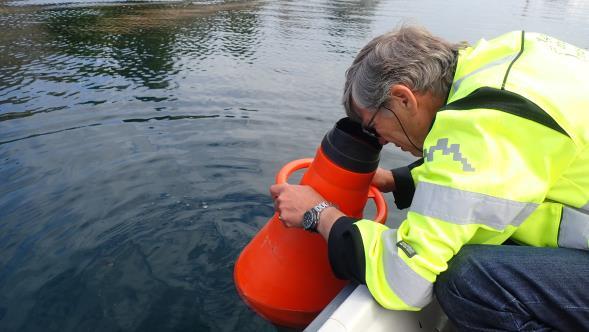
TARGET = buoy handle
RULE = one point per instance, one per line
(373, 192)
(381, 204)
(291, 167)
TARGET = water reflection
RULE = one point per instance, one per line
(348, 18)
(134, 49)
(142, 54)
(241, 37)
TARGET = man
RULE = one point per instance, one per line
(503, 129)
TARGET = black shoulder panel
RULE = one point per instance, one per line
(505, 101)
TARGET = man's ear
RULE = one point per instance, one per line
(403, 98)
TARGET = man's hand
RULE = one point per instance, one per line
(383, 180)
(292, 201)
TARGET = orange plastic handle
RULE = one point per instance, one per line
(373, 192)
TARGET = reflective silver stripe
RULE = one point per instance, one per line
(466, 207)
(574, 229)
(498, 62)
(409, 286)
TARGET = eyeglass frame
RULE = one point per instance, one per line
(369, 128)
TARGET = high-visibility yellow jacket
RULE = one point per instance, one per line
(506, 158)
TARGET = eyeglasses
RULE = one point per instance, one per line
(369, 128)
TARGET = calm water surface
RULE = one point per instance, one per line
(138, 140)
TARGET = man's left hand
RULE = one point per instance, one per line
(292, 201)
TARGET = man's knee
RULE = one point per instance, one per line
(460, 285)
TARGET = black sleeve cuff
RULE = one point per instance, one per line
(404, 185)
(346, 251)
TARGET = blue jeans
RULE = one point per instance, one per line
(516, 288)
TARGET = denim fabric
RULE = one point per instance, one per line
(516, 288)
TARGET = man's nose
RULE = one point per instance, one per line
(382, 141)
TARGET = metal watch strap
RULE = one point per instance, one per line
(319, 208)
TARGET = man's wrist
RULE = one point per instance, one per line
(327, 218)
(390, 183)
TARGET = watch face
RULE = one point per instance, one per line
(309, 219)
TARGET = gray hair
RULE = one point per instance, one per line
(410, 56)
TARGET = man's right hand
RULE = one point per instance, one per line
(384, 180)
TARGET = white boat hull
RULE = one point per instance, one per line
(354, 309)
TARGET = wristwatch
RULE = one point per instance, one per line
(311, 217)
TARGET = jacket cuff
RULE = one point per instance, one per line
(346, 250)
(404, 185)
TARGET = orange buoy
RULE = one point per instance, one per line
(284, 274)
